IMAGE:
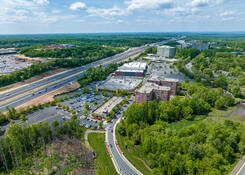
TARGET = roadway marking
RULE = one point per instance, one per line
(14, 88)
(240, 169)
(50, 117)
(13, 99)
(35, 90)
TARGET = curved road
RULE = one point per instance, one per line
(122, 165)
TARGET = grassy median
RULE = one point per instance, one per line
(134, 154)
(103, 163)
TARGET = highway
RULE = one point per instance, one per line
(26, 93)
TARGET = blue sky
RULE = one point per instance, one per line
(96, 16)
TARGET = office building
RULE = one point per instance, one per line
(166, 51)
(156, 89)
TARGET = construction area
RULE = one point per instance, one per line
(106, 108)
(7, 51)
(10, 63)
(59, 155)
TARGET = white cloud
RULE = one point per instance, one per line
(149, 4)
(47, 18)
(41, 2)
(227, 13)
(199, 3)
(106, 13)
(55, 11)
(227, 18)
(78, 6)
(120, 21)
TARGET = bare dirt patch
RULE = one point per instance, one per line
(66, 156)
(37, 58)
(50, 96)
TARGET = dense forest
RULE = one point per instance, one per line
(214, 68)
(115, 40)
(84, 51)
(209, 148)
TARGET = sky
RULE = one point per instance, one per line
(106, 16)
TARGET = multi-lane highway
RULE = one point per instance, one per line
(26, 93)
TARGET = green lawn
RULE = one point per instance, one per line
(214, 115)
(103, 163)
(134, 154)
(183, 123)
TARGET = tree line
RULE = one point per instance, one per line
(21, 142)
(209, 148)
(204, 148)
(97, 74)
(85, 51)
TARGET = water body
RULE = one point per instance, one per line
(240, 110)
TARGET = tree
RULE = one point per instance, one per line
(220, 81)
(22, 117)
(58, 104)
(229, 100)
(187, 80)
(67, 108)
(121, 129)
(86, 105)
(105, 94)
(86, 91)
(85, 112)
(73, 112)
(220, 103)
(236, 91)
(100, 123)
(74, 117)
(112, 113)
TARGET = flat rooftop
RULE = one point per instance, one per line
(149, 87)
(133, 66)
(166, 47)
(121, 83)
(158, 78)
(109, 105)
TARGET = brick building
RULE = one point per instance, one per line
(152, 91)
(169, 82)
(156, 89)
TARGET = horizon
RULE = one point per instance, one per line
(96, 33)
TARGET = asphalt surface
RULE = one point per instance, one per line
(124, 167)
(58, 84)
(242, 171)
